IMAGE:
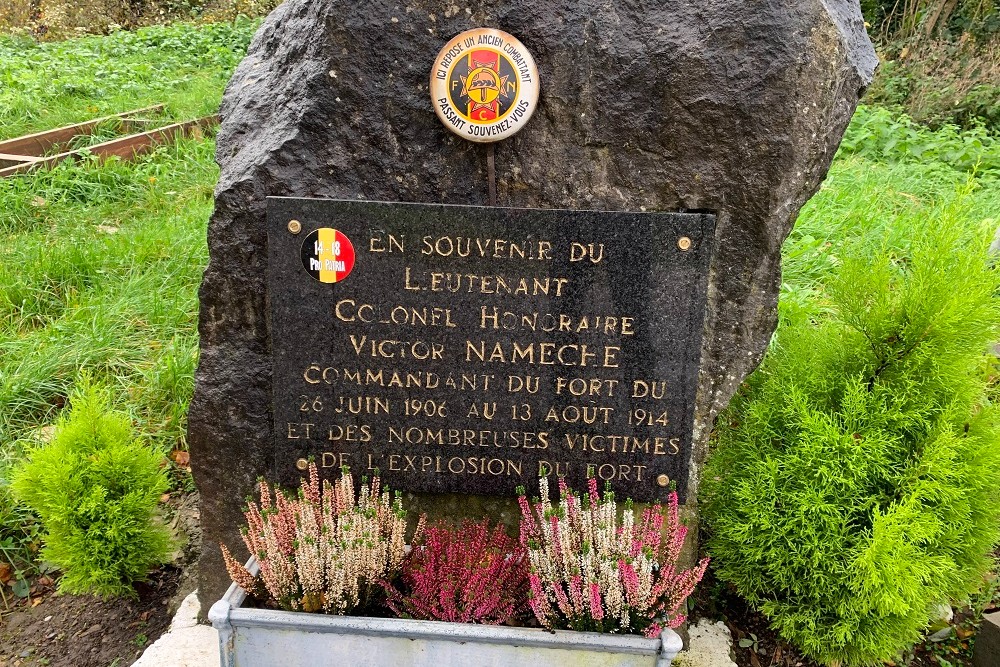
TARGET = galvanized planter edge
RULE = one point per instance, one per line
(231, 619)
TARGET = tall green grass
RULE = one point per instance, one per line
(105, 282)
(45, 85)
(100, 262)
(878, 205)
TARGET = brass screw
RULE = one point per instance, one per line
(662, 480)
(294, 226)
(684, 243)
(301, 464)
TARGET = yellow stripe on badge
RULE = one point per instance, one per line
(327, 256)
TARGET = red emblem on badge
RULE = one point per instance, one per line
(484, 85)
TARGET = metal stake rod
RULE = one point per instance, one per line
(491, 172)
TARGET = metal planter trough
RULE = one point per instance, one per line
(251, 637)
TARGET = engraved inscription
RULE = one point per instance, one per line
(474, 349)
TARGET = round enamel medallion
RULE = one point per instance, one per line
(327, 255)
(484, 85)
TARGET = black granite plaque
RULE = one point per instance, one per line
(466, 349)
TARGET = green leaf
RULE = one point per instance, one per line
(21, 588)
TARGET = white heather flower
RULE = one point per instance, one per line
(327, 547)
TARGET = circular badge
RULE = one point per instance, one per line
(484, 85)
(327, 255)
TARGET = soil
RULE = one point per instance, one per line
(715, 601)
(85, 631)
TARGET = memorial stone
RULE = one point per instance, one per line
(725, 113)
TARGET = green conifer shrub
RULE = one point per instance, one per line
(855, 481)
(95, 488)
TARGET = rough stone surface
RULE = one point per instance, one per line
(987, 651)
(733, 106)
(709, 645)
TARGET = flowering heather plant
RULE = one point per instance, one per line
(468, 574)
(325, 549)
(591, 572)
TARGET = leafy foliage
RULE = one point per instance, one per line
(96, 490)
(856, 479)
(939, 59)
(20, 537)
(941, 81)
(881, 134)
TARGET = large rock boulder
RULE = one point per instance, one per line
(733, 106)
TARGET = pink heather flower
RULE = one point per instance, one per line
(265, 496)
(636, 548)
(469, 574)
(311, 489)
(541, 612)
(596, 610)
(322, 549)
(238, 573)
(631, 581)
(576, 593)
(563, 602)
(282, 523)
(556, 546)
(255, 521)
(535, 584)
(591, 570)
(525, 507)
(676, 621)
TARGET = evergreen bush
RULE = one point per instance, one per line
(855, 482)
(96, 488)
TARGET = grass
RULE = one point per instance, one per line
(890, 178)
(878, 205)
(100, 263)
(46, 85)
(106, 280)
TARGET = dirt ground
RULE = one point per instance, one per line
(85, 631)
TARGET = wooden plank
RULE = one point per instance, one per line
(18, 158)
(36, 144)
(15, 160)
(136, 125)
(125, 147)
